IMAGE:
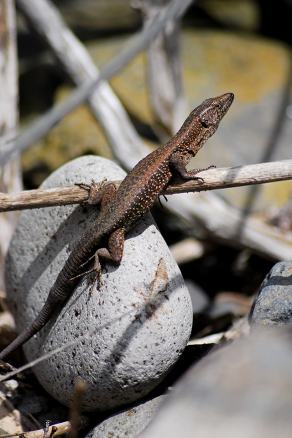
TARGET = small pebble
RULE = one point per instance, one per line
(199, 298)
(273, 303)
(242, 390)
(129, 423)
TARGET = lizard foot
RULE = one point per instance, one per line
(85, 273)
(95, 268)
(212, 166)
(93, 190)
(199, 179)
(88, 260)
(192, 174)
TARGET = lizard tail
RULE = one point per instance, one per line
(39, 322)
(21, 339)
(63, 287)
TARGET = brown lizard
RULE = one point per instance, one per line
(122, 207)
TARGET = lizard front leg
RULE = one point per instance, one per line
(99, 193)
(178, 163)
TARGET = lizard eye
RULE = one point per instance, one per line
(204, 123)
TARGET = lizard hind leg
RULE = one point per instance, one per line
(99, 193)
(113, 253)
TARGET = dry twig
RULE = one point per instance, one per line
(53, 431)
(213, 179)
(79, 390)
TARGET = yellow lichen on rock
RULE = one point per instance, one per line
(250, 67)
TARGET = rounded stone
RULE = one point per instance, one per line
(123, 335)
(128, 423)
(273, 303)
(241, 390)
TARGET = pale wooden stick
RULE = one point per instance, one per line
(80, 387)
(215, 338)
(42, 198)
(237, 176)
(53, 431)
(187, 250)
(213, 179)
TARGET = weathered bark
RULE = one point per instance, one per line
(10, 179)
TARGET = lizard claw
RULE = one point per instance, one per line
(93, 189)
(88, 260)
(199, 179)
(212, 166)
(94, 269)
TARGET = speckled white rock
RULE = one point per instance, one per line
(127, 346)
(128, 423)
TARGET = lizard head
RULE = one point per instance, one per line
(203, 121)
(211, 111)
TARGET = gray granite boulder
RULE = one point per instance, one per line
(273, 303)
(129, 331)
(129, 423)
(243, 390)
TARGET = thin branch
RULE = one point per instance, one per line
(53, 431)
(213, 179)
(80, 387)
(29, 199)
(137, 43)
(236, 177)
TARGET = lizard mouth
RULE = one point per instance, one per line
(226, 100)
